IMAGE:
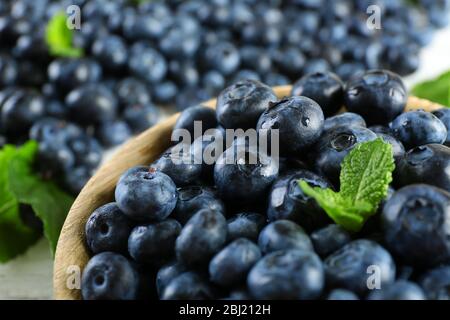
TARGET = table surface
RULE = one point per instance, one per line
(30, 275)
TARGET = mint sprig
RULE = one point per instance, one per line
(437, 90)
(59, 37)
(20, 185)
(365, 177)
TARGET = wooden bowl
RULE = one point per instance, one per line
(141, 150)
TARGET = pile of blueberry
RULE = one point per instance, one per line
(239, 230)
(178, 52)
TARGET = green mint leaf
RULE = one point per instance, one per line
(15, 237)
(437, 90)
(49, 203)
(367, 172)
(59, 37)
(365, 176)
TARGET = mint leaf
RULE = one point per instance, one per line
(365, 177)
(437, 90)
(15, 237)
(59, 37)
(49, 203)
(367, 172)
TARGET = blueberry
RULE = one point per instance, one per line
(255, 58)
(230, 266)
(165, 92)
(202, 237)
(416, 128)
(245, 225)
(399, 290)
(113, 133)
(240, 105)
(204, 115)
(287, 274)
(444, 115)
(20, 111)
(379, 129)
(145, 194)
(194, 198)
(287, 200)
(131, 91)
(347, 119)
(223, 57)
(109, 276)
(283, 235)
(244, 176)
(398, 150)
(329, 239)
(414, 225)
(111, 51)
(107, 229)
(239, 294)
(213, 81)
(188, 286)
(154, 243)
(348, 267)
(436, 282)
(334, 145)
(179, 164)
(147, 63)
(68, 74)
(323, 87)
(425, 164)
(141, 117)
(378, 95)
(299, 121)
(76, 178)
(276, 79)
(245, 74)
(166, 274)
(92, 104)
(342, 294)
(8, 71)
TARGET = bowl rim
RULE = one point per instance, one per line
(71, 253)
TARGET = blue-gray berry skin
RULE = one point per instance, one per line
(194, 198)
(377, 95)
(166, 274)
(444, 115)
(436, 283)
(398, 150)
(342, 294)
(242, 181)
(287, 274)
(323, 87)
(189, 285)
(178, 163)
(288, 201)
(245, 225)
(283, 234)
(202, 237)
(399, 290)
(240, 105)
(109, 276)
(299, 121)
(230, 266)
(415, 222)
(107, 229)
(153, 244)
(347, 119)
(416, 128)
(329, 239)
(145, 194)
(429, 164)
(206, 116)
(334, 145)
(349, 267)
